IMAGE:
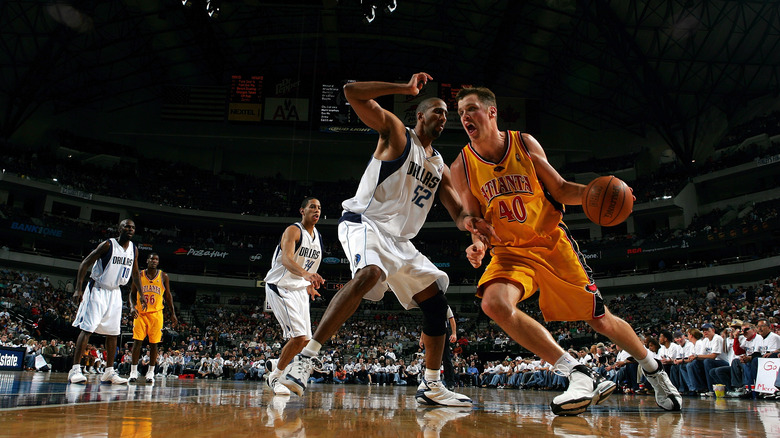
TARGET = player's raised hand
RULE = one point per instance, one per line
(476, 252)
(418, 81)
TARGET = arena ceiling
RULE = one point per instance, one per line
(634, 64)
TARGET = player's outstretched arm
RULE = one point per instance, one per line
(392, 132)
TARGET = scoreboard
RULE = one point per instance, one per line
(246, 94)
(335, 112)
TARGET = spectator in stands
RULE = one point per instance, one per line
(746, 345)
(53, 357)
(714, 355)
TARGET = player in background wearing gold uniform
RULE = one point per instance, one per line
(148, 314)
(505, 178)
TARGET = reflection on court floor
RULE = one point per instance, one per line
(44, 404)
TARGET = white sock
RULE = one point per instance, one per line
(432, 375)
(108, 370)
(566, 363)
(312, 349)
(133, 368)
(648, 363)
(77, 367)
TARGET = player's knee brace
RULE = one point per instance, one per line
(434, 315)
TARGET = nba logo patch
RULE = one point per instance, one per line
(357, 259)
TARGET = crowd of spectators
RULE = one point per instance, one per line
(232, 338)
(716, 225)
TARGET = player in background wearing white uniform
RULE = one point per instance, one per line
(392, 202)
(113, 262)
(291, 282)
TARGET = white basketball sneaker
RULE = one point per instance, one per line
(276, 385)
(585, 388)
(435, 393)
(150, 376)
(112, 377)
(133, 377)
(298, 374)
(75, 376)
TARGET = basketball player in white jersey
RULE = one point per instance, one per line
(290, 284)
(113, 262)
(391, 204)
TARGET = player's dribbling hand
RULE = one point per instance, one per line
(475, 252)
(418, 81)
(77, 295)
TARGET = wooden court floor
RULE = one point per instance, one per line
(45, 405)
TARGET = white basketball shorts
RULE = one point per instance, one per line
(406, 270)
(100, 311)
(291, 308)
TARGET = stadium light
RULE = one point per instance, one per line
(369, 11)
(212, 8)
(389, 6)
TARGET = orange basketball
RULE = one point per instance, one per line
(607, 201)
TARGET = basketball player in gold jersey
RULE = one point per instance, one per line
(148, 314)
(505, 178)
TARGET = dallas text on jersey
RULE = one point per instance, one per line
(422, 175)
(310, 253)
(119, 260)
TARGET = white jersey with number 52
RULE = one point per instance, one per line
(397, 195)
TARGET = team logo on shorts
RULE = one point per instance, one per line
(357, 259)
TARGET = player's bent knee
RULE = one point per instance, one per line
(496, 309)
(605, 324)
(434, 315)
(367, 277)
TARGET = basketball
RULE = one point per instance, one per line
(607, 201)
